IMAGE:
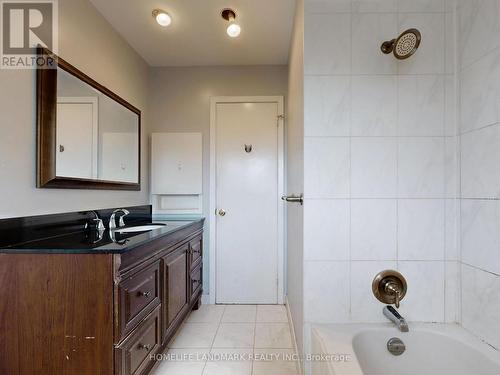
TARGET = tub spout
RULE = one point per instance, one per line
(391, 314)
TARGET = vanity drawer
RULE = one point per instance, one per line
(133, 356)
(195, 250)
(138, 294)
(196, 281)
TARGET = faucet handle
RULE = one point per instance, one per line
(389, 287)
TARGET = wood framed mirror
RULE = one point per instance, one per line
(87, 136)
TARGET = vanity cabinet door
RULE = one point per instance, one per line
(175, 300)
(195, 251)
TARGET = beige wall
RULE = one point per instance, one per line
(295, 173)
(88, 42)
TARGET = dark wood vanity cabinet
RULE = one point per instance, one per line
(99, 314)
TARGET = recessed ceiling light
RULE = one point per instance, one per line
(233, 30)
(162, 17)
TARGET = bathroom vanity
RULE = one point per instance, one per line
(101, 304)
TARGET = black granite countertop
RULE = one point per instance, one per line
(88, 242)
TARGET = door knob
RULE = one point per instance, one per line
(222, 212)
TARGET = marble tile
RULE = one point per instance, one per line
(421, 106)
(429, 58)
(271, 314)
(180, 368)
(273, 335)
(450, 106)
(324, 36)
(365, 307)
(326, 167)
(425, 300)
(235, 335)
(479, 20)
(374, 6)
(195, 335)
(373, 229)
(421, 167)
(450, 43)
(452, 292)
(228, 368)
(327, 6)
(452, 221)
(239, 314)
(327, 105)
(451, 181)
(368, 32)
(373, 109)
(480, 158)
(229, 362)
(275, 362)
(481, 304)
(207, 314)
(188, 355)
(326, 229)
(373, 167)
(326, 284)
(421, 229)
(480, 90)
(480, 234)
(421, 6)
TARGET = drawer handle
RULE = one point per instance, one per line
(195, 281)
(146, 347)
(196, 251)
(146, 294)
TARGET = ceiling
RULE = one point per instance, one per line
(197, 35)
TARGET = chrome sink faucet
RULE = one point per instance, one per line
(112, 218)
(97, 220)
(391, 313)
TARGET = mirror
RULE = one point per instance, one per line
(88, 137)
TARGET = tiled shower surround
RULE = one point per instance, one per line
(402, 161)
(479, 77)
(380, 160)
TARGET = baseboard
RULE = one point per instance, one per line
(294, 337)
(205, 299)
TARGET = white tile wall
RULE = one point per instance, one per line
(374, 229)
(479, 146)
(373, 167)
(326, 229)
(421, 170)
(371, 114)
(481, 234)
(480, 158)
(421, 229)
(327, 44)
(368, 30)
(326, 292)
(327, 103)
(481, 303)
(381, 176)
(326, 167)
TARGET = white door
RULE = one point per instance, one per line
(76, 153)
(247, 201)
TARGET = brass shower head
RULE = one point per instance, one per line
(404, 46)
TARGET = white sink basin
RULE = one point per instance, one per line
(142, 228)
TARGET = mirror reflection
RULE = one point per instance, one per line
(96, 137)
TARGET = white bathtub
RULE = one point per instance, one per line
(431, 349)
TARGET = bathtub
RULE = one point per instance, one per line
(431, 349)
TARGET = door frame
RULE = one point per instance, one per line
(94, 101)
(280, 123)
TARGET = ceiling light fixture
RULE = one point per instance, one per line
(233, 30)
(162, 17)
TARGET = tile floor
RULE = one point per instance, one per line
(232, 340)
